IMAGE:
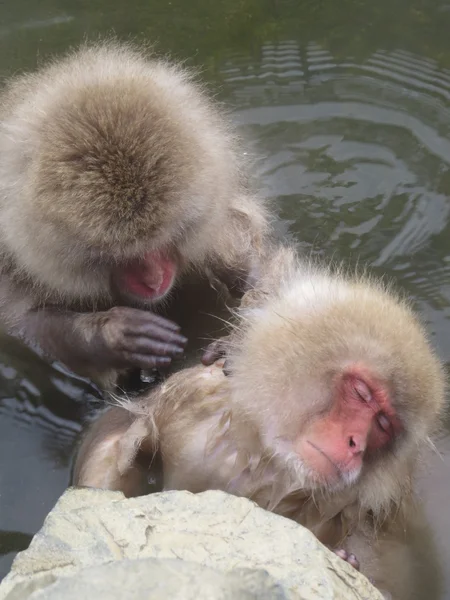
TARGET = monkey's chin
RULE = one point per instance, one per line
(331, 483)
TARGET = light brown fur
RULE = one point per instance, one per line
(295, 329)
(106, 154)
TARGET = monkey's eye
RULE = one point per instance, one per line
(362, 390)
(384, 423)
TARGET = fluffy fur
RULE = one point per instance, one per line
(294, 331)
(107, 154)
(103, 151)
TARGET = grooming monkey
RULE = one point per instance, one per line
(332, 393)
(118, 178)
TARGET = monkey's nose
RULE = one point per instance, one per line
(356, 443)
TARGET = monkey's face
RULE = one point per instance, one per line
(338, 380)
(126, 167)
(359, 423)
(145, 280)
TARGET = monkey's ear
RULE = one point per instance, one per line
(130, 443)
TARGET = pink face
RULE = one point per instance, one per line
(147, 279)
(361, 421)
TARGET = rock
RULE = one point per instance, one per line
(158, 579)
(176, 544)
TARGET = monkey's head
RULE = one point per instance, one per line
(337, 380)
(119, 163)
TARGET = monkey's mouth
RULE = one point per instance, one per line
(327, 470)
(149, 278)
(321, 463)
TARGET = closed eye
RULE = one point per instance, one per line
(362, 390)
(384, 423)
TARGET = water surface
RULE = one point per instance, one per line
(348, 105)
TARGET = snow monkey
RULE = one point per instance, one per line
(332, 392)
(118, 176)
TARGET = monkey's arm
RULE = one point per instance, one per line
(274, 264)
(107, 458)
(400, 560)
(240, 245)
(118, 338)
(178, 419)
(95, 345)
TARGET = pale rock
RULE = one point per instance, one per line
(176, 545)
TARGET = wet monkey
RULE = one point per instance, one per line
(331, 395)
(118, 178)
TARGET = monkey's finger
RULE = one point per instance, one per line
(352, 560)
(144, 346)
(158, 333)
(144, 361)
(341, 553)
(226, 368)
(162, 322)
(212, 353)
(144, 316)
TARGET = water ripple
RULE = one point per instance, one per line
(357, 154)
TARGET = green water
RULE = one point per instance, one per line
(348, 106)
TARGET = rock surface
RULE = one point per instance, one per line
(176, 545)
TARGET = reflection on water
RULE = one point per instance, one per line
(356, 152)
(41, 410)
(357, 157)
(33, 24)
(358, 162)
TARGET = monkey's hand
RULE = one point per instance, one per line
(235, 280)
(118, 338)
(214, 351)
(349, 558)
(129, 337)
(354, 562)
